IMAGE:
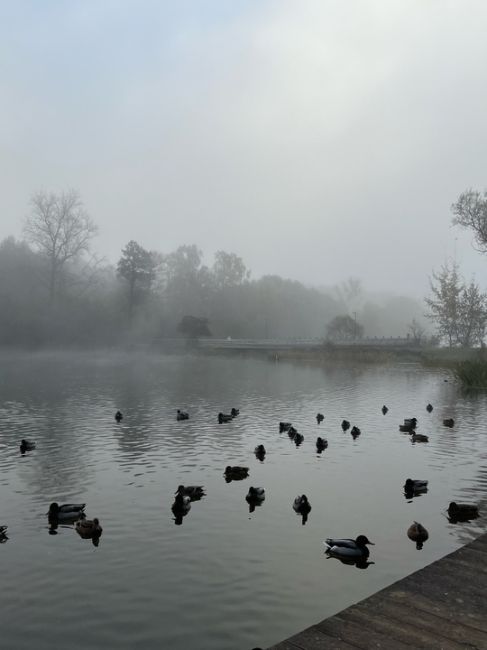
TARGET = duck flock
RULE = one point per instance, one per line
(347, 550)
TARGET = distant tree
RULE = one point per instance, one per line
(137, 266)
(344, 328)
(60, 228)
(417, 331)
(229, 270)
(470, 212)
(193, 327)
(458, 311)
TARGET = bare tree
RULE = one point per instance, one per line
(417, 331)
(471, 213)
(61, 230)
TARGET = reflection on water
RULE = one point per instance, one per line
(227, 579)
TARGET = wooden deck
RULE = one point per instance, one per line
(440, 607)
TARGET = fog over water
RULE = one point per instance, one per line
(317, 140)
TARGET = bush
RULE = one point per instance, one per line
(472, 374)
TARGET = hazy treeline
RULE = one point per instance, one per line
(148, 293)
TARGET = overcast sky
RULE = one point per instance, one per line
(318, 139)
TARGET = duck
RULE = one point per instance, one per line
(236, 473)
(255, 494)
(355, 431)
(27, 445)
(343, 547)
(298, 439)
(284, 426)
(345, 425)
(194, 492)
(429, 407)
(419, 437)
(384, 409)
(415, 485)
(234, 412)
(321, 443)
(181, 415)
(260, 451)
(88, 528)
(409, 425)
(418, 533)
(66, 511)
(292, 431)
(449, 422)
(3, 534)
(319, 418)
(224, 417)
(182, 503)
(301, 505)
(118, 416)
(463, 511)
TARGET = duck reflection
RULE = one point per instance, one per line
(358, 562)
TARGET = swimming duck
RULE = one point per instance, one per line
(260, 451)
(355, 432)
(234, 412)
(181, 415)
(321, 443)
(320, 417)
(418, 533)
(449, 422)
(415, 485)
(419, 437)
(301, 505)
(345, 425)
(182, 503)
(463, 511)
(27, 445)
(224, 417)
(284, 426)
(255, 494)
(298, 439)
(88, 528)
(118, 416)
(429, 408)
(194, 492)
(236, 473)
(409, 425)
(384, 409)
(292, 431)
(66, 511)
(348, 547)
(3, 534)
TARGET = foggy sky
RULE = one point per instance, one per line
(317, 139)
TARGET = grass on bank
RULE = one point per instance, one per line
(472, 374)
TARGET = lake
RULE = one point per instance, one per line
(226, 578)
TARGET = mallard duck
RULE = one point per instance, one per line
(194, 492)
(429, 407)
(418, 533)
(415, 485)
(118, 416)
(292, 431)
(406, 428)
(234, 412)
(260, 451)
(319, 418)
(348, 547)
(224, 417)
(181, 415)
(182, 503)
(66, 511)
(27, 445)
(298, 439)
(3, 530)
(449, 422)
(355, 431)
(321, 443)
(345, 425)
(409, 425)
(255, 494)
(301, 505)
(284, 426)
(88, 528)
(236, 473)
(419, 437)
(463, 510)
(384, 409)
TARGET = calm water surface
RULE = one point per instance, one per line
(226, 579)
